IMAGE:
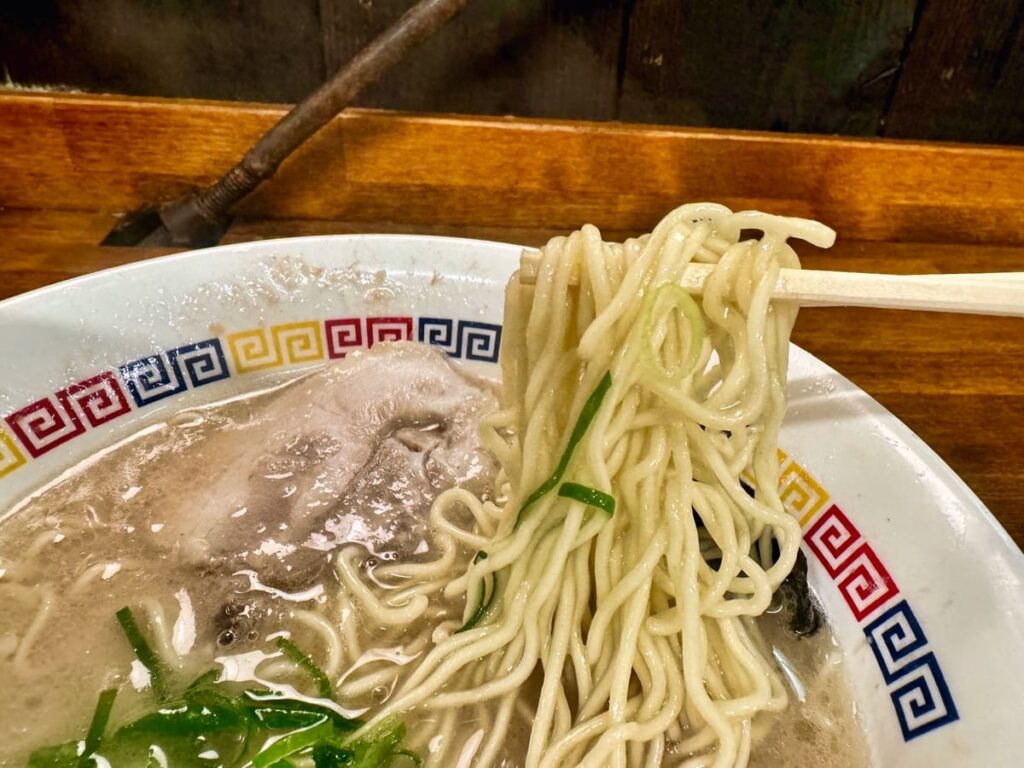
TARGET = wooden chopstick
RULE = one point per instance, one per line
(977, 294)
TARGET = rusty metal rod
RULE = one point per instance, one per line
(200, 218)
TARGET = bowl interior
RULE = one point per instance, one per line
(920, 584)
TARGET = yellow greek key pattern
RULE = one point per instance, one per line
(801, 494)
(289, 343)
(10, 457)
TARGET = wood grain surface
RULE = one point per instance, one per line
(529, 57)
(964, 74)
(779, 64)
(93, 153)
(955, 380)
(926, 69)
(253, 49)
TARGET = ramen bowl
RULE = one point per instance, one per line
(920, 584)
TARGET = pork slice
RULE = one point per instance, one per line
(356, 452)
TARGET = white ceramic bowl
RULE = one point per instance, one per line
(922, 586)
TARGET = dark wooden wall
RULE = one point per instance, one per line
(927, 69)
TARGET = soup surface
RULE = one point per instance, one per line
(229, 526)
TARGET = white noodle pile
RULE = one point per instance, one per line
(642, 621)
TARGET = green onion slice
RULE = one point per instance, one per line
(485, 605)
(302, 659)
(590, 408)
(676, 298)
(589, 496)
(100, 718)
(143, 651)
(477, 592)
(294, 742)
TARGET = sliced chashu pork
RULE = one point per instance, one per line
(355, 452)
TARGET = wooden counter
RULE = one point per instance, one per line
(69, 164)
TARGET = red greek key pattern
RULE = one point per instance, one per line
(832, 538)
(846, 556)
(344, 335)
(381, 329)
(52, 421)
(97, 400)
(865, 584)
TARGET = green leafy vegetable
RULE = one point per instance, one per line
(98, 726)
(78, 754)
(143, 651)
(190, 719)
(254, 728)
(296, 654)
(276, 712)
(590, 408)
(294, 742)
(666, 298)
(589, 496)
(498, 581)
(376, 748)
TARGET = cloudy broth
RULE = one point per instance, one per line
(217, 563)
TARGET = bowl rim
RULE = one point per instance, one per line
(920, 446)
(461, 252)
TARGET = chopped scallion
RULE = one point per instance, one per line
(590, 408)
(589, 496)
(100, 718)
(143, 651)
(302, 659)
(292, 743)
(485, 604)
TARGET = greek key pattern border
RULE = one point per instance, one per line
(908, 666)
(50, 422)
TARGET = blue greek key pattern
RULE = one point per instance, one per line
(440, 332)
(171, 372)
(466, 339)
(202, 363)
(915, 681)
(896, 638)
(480, 341)
(48, 423)
(922, 699)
